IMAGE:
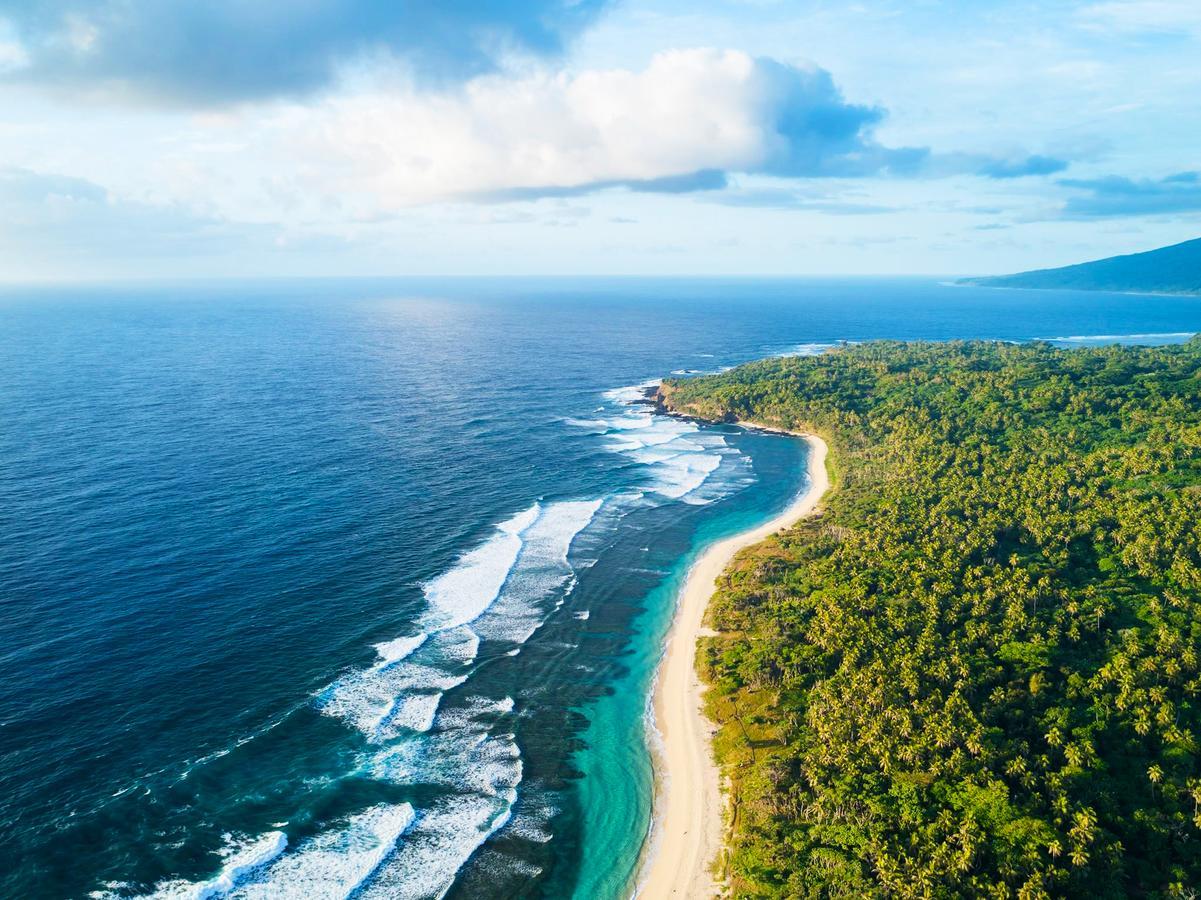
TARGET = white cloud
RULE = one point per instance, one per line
(689, 111)
(382, 144)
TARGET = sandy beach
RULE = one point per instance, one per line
(688, 804)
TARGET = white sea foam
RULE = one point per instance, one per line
(243, 862)
(811, 349)
(403, 689)
(679, 456)
(483, 769)
(596, 425)
(530, 830)
(494, 864)
(631, 421)
(460, 594)
(412, 711)
(439, 844)
(533, 820)
(503, 589)
(651, 455)
(475, 711)
(1165, 336)
(240, 861)
(336, 863)
(685, 473)
(457, 645)
(460, 752)
(631, 393)
(463, 758)
(398, 649)
(541, 571)
(383, 699)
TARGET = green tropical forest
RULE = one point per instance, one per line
(975, 672)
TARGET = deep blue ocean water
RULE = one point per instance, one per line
(312, 588)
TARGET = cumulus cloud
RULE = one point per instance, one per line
(684, 123)
(681, 124)
(1119, 196)
(215, 51)
(691, 120)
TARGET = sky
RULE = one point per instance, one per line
(173, 138)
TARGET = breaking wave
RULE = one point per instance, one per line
(334, 863)
(1164, 337)
(463, 757)
(680, 459)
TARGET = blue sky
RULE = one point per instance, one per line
(153, 138)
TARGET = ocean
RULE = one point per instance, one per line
(319, 588)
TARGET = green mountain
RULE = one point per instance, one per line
(1168, 270)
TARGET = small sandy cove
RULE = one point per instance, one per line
(687, 833)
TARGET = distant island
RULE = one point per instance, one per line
(1168, 270)
(977, 673)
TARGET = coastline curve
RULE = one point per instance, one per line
(687, 829)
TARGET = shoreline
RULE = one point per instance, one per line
(688, 818)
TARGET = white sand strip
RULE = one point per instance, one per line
(687, 833)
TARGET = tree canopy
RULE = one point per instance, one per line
(975, 673)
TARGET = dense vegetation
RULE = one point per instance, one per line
(975, 674)
(1168, 270)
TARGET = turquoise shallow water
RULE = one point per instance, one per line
(617, 791)
(321, 588)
